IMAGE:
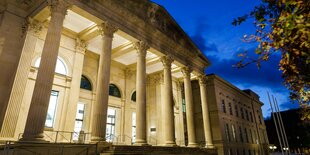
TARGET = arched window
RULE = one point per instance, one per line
(133, 96)
(60, 66)
(85, 83)
(114, 91)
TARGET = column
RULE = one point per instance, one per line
(167, 108)
(19, 86)
(80, 48)
(42, 90)
(141, 48)
(205, 111)
(189, 107)
(102, 92)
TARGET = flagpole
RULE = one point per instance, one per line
(275, 123)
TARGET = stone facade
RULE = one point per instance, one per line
(236, 118)
(119, 71)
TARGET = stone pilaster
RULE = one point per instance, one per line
(167, 107)
(205, 111)
(189, 107)
(80, 48)
(42, 90)
(101, 107)
(141, 48)
(33, 28)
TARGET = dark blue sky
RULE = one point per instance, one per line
(208, 23)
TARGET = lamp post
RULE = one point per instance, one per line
(272, 147)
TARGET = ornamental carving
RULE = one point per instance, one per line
(141, 48)
(202, 79)
(80, 45)
(166, 60)
(186, 71)
(58, 6)
(33, 26)
(106, 29)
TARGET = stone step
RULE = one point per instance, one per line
(157, 150)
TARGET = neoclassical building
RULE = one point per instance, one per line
(91, 70)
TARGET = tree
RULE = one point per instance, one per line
(283, 26)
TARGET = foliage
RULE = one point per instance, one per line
(283, 26)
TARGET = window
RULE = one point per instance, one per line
(78, 120)
(49, 122)
(236, 110)
(251, 116)
(247, 115)
(240, 134)
(251, 136)
(134, 96)
(230, 108)
(233, 132)
(110, 131)
(246, 135)
(85, 83)
(133, 131)
(223, 106)
(242, 114)
(114, 91)
(60, 66)
(227, 132)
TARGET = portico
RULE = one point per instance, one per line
(134, 70)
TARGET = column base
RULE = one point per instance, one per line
(192, 145)
(209, 146)
(170, 144)
(97, 139)
(39, 138)
(140, 142)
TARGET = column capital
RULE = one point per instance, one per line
(166, 60)
(80, 46)
(33, 26)
(186, 71)
(128, 73)
(58, 6)
(106, 29)
(202, 79)
(141, 48)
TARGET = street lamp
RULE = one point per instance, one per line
(272, 147)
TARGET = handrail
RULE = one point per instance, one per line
(119, 138)
(49, 137)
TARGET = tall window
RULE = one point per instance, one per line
(134, 96)
(133, 129)
(223, 106)
(251, 116)
(240, 134)
(78, 120)
(60, 66)
(236, 110)
(230, 108)
(233, 132)
(227, 132)
(242, 114)
(246, 135)
(110, 131)
(114, 91)
(247, 115)
(85, 83)
(49, 122)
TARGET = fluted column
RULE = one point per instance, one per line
(42, 90)
(19, 86)
(141, 48)
(167, 108)
(80, 48)
(205, 111)
(101, 107)
(189, 107)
